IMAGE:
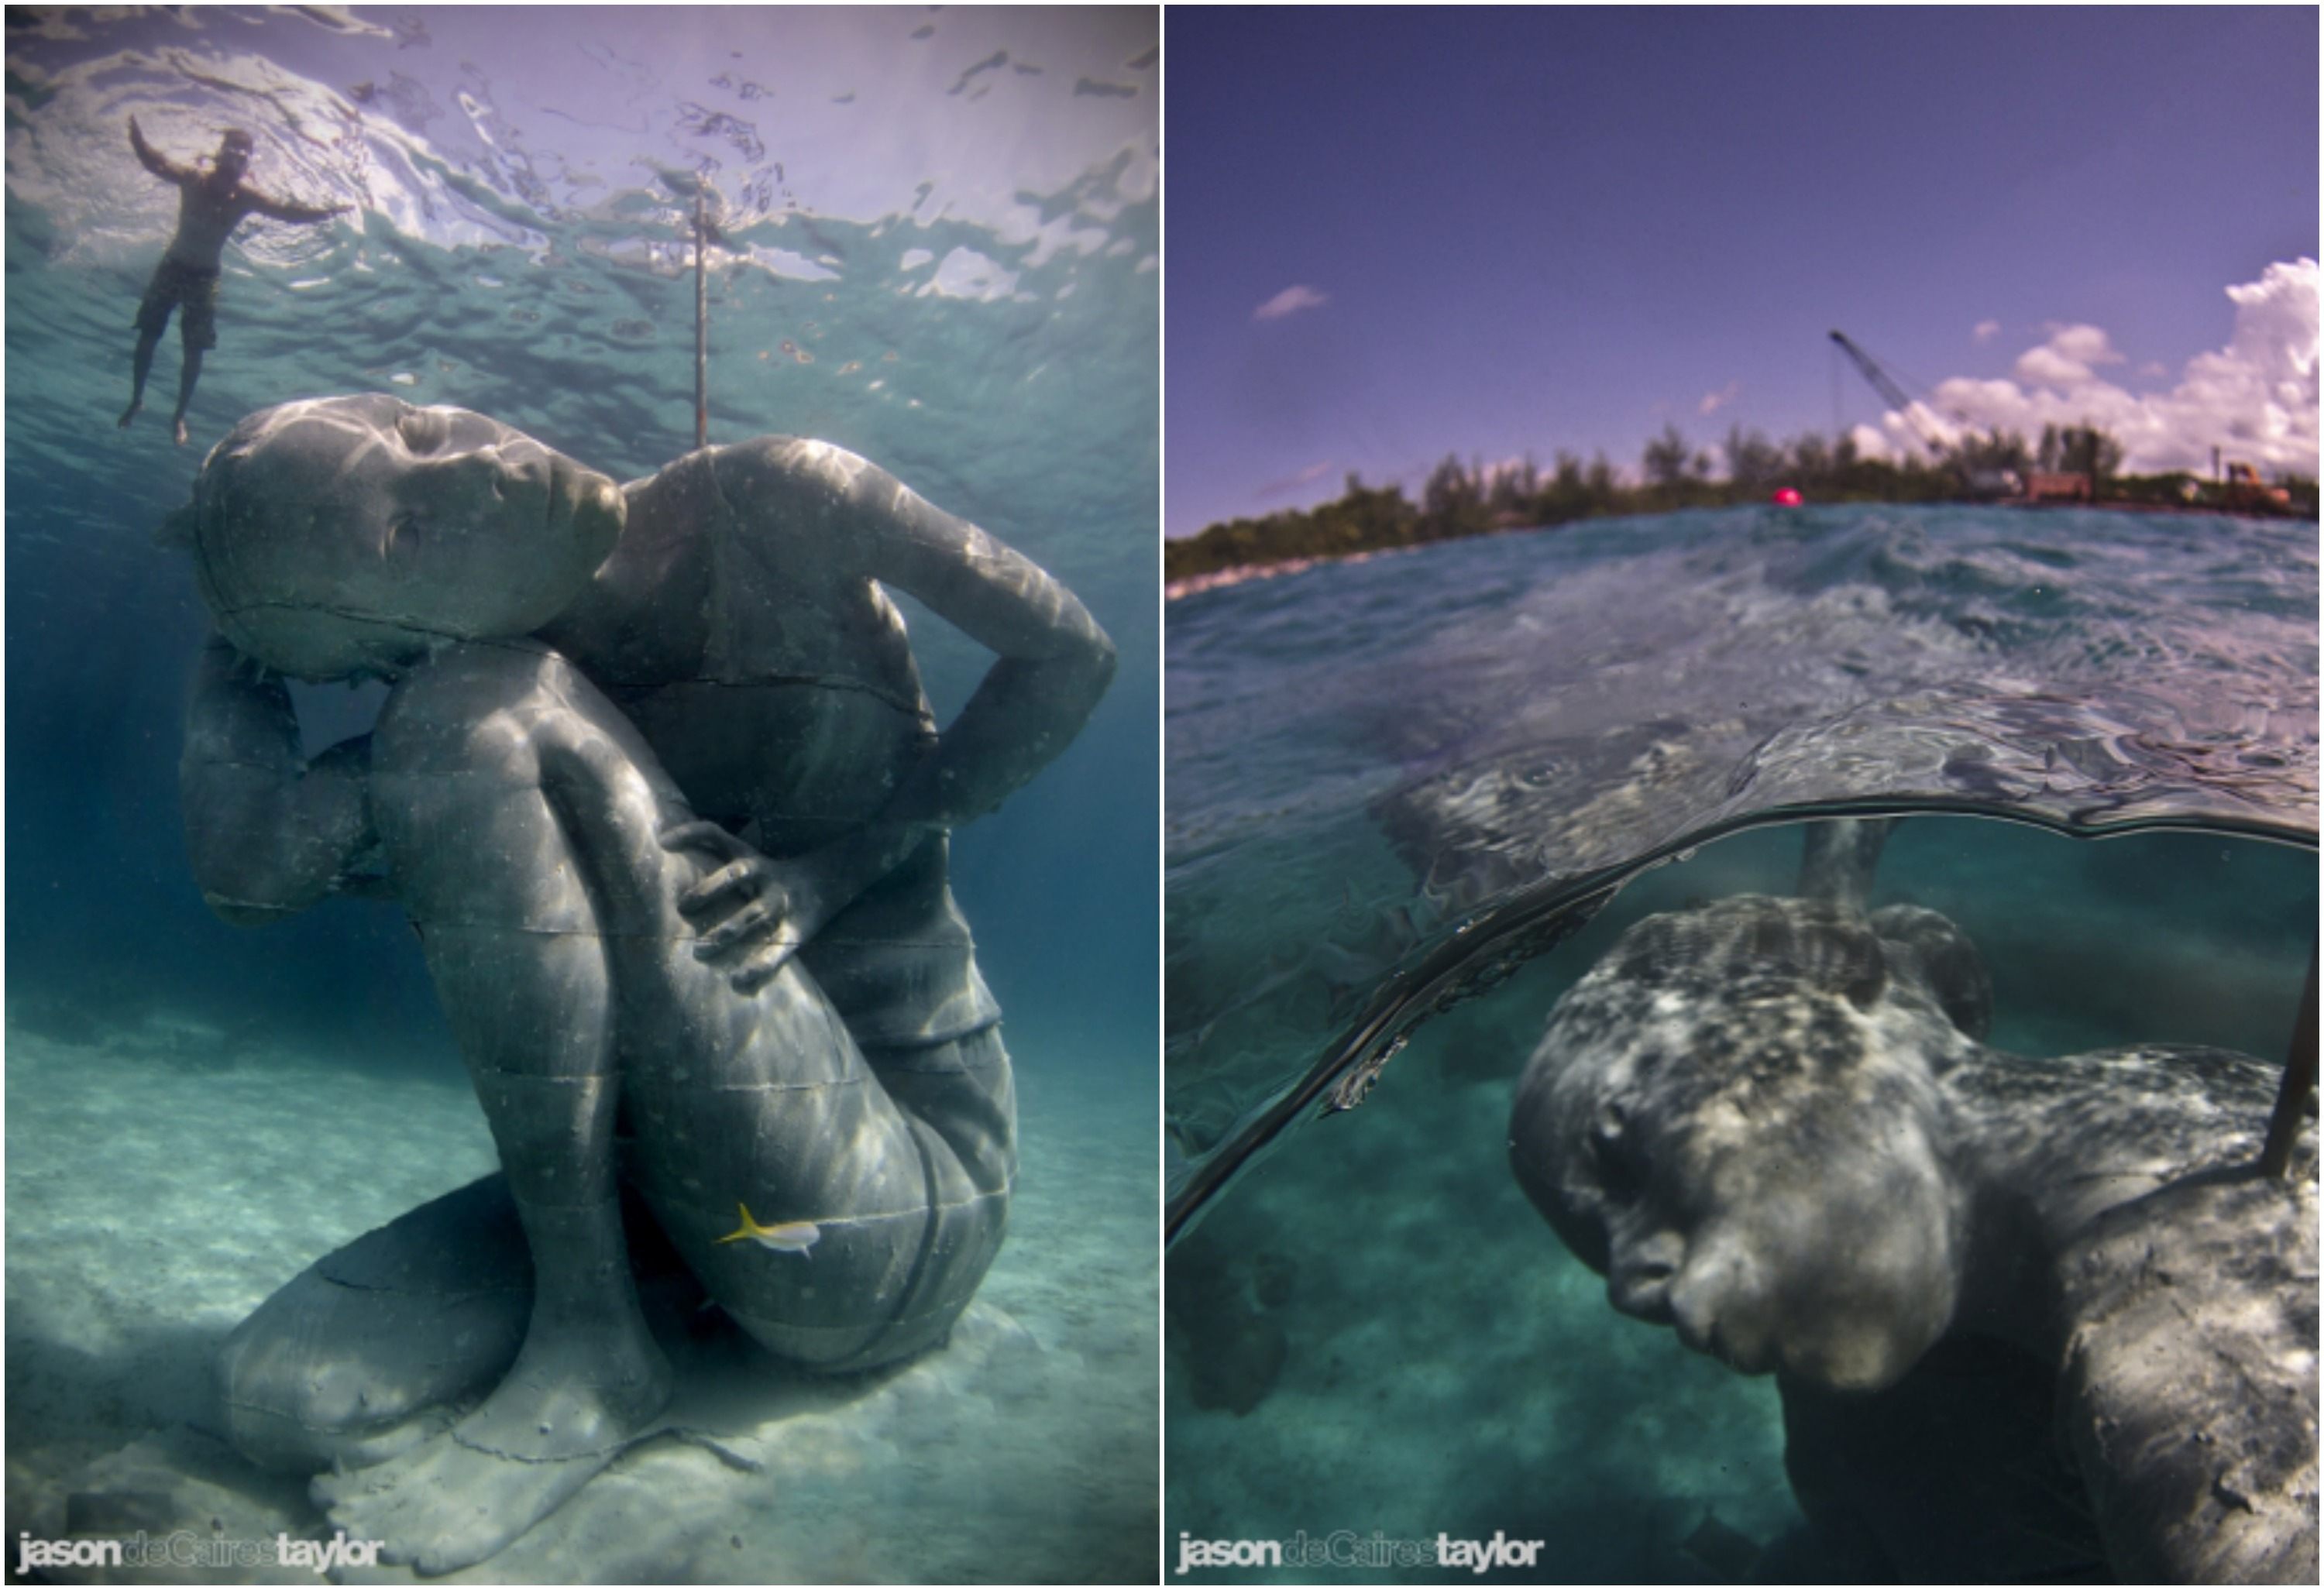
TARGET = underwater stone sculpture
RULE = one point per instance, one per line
(1764, 1123)
(781, 1050)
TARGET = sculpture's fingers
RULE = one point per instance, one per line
(701, 834)
(724, 889)
(761, 969)
(738, 933)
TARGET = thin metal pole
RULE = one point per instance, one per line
(701, 337)
(2299, 1082)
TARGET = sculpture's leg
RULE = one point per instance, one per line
(516, 949)
(382, 1344)
(364, 1352)
(902, 1155)
(520, 812)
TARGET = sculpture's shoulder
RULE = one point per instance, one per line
(800, 471)
(2189, 1384)
(2156, 1111)
(791, 507)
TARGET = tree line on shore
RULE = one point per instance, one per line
(1475, 499)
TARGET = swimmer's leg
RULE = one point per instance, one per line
(140, 365)
(188, 374)
(197, 333)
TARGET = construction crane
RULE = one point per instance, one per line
(1890, 392)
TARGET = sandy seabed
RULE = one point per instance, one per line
(164, 1179)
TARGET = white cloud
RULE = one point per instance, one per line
(1712, 402)
(2065, 362)
(1871, 443)
(1298, 296)
(1986, 331)
(2255, 399)
(1292, 482)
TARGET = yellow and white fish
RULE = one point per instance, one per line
(793, 1236)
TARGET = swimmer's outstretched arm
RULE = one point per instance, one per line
(1054, 661)
(155, 161)
(285, 210)
(268, 831)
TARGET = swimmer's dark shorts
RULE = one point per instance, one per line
(174, 284)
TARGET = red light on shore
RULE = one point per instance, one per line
(1785, 497)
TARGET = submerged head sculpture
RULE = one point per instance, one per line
(340, 536)
(1735, 1117)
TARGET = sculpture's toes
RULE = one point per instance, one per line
(445, 1506)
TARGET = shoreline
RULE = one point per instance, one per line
(1240, 573)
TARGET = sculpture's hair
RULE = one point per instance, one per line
(221, 494)
(182, 528)
(1824, 944)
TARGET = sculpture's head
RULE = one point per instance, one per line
(340, 536)
(1735, 1118)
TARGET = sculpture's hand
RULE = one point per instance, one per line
(268, 831)
(754, 911)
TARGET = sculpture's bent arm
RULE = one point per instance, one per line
(267, 832)
(1054, 661)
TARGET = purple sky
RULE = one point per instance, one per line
(1391, 234)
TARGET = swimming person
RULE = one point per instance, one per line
(210, 205)
(657, 783)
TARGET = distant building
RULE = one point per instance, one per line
(2044, 487)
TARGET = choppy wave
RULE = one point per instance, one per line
(1392, 782)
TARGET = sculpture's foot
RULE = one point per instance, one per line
(445, 1505)
(560, 1416)
(127, 414)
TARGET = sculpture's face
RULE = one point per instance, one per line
(343, 536)
(1749, 1157)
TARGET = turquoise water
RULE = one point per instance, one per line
(939, 248)
(1385, 777)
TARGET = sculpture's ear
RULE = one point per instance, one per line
(177, 530)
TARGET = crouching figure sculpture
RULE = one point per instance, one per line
(773, 1056)
(2029, 1318)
